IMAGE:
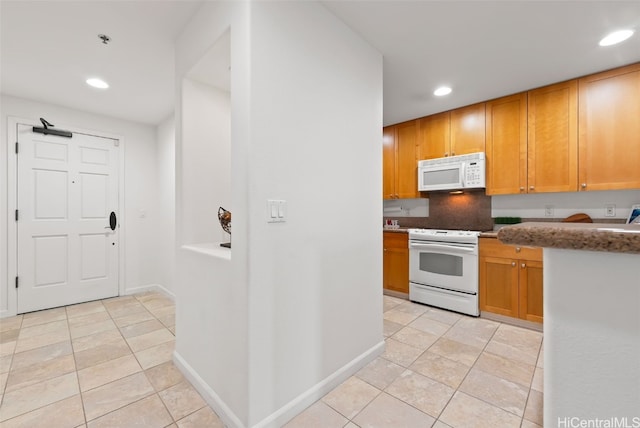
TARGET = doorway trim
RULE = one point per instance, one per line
(12, 194)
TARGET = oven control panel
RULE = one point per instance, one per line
(438, 235)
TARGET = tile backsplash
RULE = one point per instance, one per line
(473, 210)
(468, 211)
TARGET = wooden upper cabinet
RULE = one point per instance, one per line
(467, 130)
(399, 164)
(552, 145)
(406, 161)
(388, 162)
(506, 145)
(433, 136)
(456, 132)
(609, 130)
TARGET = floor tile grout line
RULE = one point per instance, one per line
(361, 410)
(470, 368)
(467, 374)
(142, 370)
(84, 410)
(69, 339)
(435, 380)
(482, 399)
(10, 370)
(175, 421)
(145, 373)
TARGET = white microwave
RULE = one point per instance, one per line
(452, 173)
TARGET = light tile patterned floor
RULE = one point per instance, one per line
(108, 364)
(439, 369)
(99, 364)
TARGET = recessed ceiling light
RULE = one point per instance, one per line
(97, 83)
(441, 91)
(616, 37)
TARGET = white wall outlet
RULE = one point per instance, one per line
(548, 210)
(610, 210)
(276, 211)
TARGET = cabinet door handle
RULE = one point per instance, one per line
(518, 249)
(446, 154)
(453, 153)
(513, 264)
(531, 187)
(583, 185)
(522, 188)
(523, 266)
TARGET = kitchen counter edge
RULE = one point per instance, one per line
(618, 238)
(397, 230)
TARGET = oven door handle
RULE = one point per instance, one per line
(444, 248)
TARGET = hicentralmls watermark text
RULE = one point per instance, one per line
(614, 422)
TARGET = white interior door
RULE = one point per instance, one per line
(67, 189)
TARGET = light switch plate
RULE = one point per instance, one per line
(276, 211)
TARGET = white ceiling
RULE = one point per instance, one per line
(483, 49)
(49, 49)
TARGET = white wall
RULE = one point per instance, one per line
(565, 204)
(206, 178)
(211, 299)
(297, 306)
(166, 183)
(315, 302)
(141, 234)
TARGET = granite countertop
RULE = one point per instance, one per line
(616, 238)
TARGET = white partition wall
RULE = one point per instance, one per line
(295, 307)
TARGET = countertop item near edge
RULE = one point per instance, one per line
(492, 234)
(615, 238)
(399, 229)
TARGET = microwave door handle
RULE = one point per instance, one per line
(463, 165)
(443, 248)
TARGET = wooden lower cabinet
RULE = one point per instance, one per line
(395, 262)
(510, 280)
(530, 290)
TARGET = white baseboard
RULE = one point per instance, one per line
(5, 313)
(228, 417)
(319, 390)
(151, 287)
(293, 407)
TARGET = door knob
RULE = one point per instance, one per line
(113, 221)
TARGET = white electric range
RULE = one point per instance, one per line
(443, 269)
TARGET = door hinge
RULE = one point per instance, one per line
(16, 282)
(17, 215)
(16, 147)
